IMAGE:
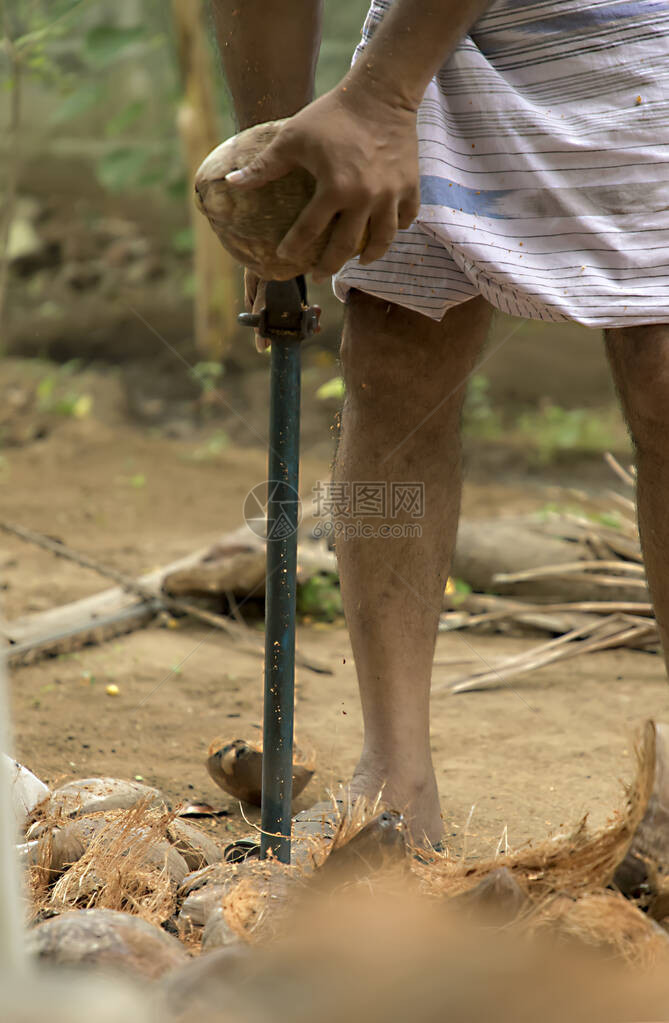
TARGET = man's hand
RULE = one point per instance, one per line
(363, 153)
(254, 300)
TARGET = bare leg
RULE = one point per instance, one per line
(404, 375)
(639, 358)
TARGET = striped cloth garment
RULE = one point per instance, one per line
(544, 164)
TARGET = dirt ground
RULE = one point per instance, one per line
(523, 760)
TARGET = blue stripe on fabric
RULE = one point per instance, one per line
(435, 191)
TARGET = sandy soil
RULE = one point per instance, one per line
(529, 758)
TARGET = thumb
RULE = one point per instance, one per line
(269, 165)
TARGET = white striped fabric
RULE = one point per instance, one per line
(544, 163)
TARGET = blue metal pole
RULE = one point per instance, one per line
(280, 592)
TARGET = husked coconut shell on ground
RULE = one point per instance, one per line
(198, 905)
(59, 848)
(197, 848)
(217, 932)
(203, 987)
(236, 767)
(90, 795)
(106, 939)
(251, 223)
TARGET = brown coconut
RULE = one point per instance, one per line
(106, 939)
(251, 223)
(236, 767)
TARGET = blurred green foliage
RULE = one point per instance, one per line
(108, 69)
(320, 597)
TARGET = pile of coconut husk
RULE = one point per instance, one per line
(118, 881)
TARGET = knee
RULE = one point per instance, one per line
(376, 350)
(639, 359)
(405, 362)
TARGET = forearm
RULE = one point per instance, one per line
(269, 50)
(411, 44)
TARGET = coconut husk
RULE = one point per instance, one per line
(126, 864)
(497, 900)
(644, 873)
(608, 922)
(236, 767)
(378, 847)
(250, 224)
(575, 864)
(257, 897)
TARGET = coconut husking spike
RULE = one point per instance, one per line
(286, 321)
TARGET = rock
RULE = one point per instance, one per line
(28, 792)
(252, 223)
(237, 769)
(198, 906)
(196, 847)
(107, 939)
(90, 795)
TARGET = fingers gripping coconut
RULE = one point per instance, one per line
(307, 193)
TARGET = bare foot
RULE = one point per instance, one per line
(418, 801)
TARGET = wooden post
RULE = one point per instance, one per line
(216, 273)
